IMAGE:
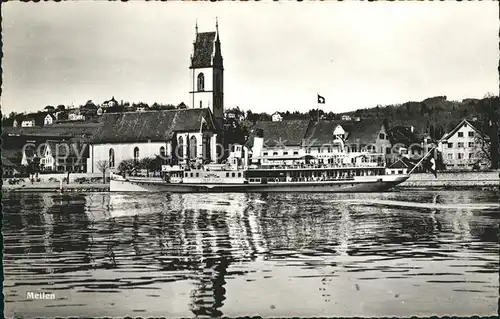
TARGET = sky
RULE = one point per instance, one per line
(277, 55)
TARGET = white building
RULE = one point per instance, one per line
(462, 147)
(48, 119)
(276, 117)
(28, 123)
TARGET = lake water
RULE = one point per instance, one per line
(187, 255)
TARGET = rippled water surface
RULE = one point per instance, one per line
(252, 254)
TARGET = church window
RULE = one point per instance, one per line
(136, 154)
(181, 147)
(201, 82)
(201, 104)
(192, 147)
(111, 158)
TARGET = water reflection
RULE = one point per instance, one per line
(109, 243)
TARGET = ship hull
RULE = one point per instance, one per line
(374, 184)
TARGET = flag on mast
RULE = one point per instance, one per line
(432, 167)
(321, 100)
(431, 162)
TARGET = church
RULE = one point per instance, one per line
(182, 135)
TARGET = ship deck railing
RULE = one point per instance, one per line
(334, 166)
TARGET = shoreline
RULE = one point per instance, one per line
(55, 188)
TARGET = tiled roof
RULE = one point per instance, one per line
(402, 135)
(448, 135)
(402, 163)
(203, 50)
(286, 133)
(365, 131)
(150, 125)
(321, 133)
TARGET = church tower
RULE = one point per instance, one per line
(207, 90)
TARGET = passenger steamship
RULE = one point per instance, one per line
(365, 173)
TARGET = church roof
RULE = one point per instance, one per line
(203, 50)
(151, 126)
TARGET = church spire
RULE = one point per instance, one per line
(196, 26)
(217, 27)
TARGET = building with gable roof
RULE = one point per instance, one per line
(462, 147)
(63, 156)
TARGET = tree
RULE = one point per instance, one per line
(49, 108)
(90, 105)
(488, 110)
(127, 166)
(61, 107)
(149, 164)
(102, 166)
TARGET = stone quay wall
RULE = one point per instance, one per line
(454, 179)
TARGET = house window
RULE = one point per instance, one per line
(201, 82)
(285, 153)
(450, 156)
(471, 144)
(381, 136)
(185, 174)
(239, 174)
(460, 155)
(111, 158)
(295, 153)
(201, 104)
(460, 134)
(162, 152)
(388, 150)
(275, 153)
(471, 155)
(192, 147)
(136, 154)
(265, 153)
(227, 174)
(471, 134)
(460, 145)
(450, 145)
(233, 174)
(180, 147)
